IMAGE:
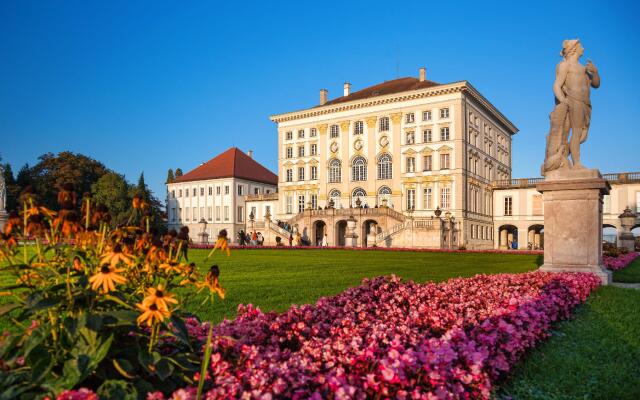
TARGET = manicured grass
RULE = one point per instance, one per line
(631, 274)
(275, 279)
(594, 356)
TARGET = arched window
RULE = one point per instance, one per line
(359, 169)
(335, 196)
(358, 194)
(384, 196)
(384, 167)
(335, 171)
(358, 128)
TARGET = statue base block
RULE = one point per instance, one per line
(573, 221)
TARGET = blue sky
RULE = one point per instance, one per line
(147, 86)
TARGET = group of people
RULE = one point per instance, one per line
(250, 239)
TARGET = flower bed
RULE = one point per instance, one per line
(389, 338)
(285, 247)
(620, 262)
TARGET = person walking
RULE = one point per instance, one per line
(325, 241)
(290, 240)
(241, 237)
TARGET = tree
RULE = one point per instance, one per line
(112, 191)
(13, 190)
(157, 218)
(178, 172)
(51, 172)
(170, 176)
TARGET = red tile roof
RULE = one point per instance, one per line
(384, 88)
(233, 163)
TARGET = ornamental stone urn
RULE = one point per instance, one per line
(627, 220)
(204, 236)
(351, 237)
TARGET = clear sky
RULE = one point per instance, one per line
(147, 86)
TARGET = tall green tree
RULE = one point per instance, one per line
(13, 190)
(155, 206)
(178, 172)
(113, 191)
(170, 176)
(53, 171)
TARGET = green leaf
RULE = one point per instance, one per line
(164, 369)
(180, 330)
(117, 390)
(121, 317)
(7, 308)
(124, 368)
(40, 361)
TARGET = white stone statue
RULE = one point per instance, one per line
(573, 108)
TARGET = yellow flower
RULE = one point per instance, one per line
(151, 313)
(107, 277)
(159, 297)
(115, 256)
(211, 282)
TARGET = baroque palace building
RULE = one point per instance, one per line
(410, 145)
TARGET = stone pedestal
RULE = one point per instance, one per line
(573, 221)
(351, 237)
(3, 219)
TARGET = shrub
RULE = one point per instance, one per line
(93, 306)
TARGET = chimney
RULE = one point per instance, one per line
(250, 153)
(423, 74)
(323, 96)
(347, 89)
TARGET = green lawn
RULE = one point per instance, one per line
(631, 274)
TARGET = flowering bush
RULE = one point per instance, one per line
(619, 262)
(389, 339)
(94, 306)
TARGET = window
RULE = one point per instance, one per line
(444, 113)
(385, 168)
(173, 194)
(411, 199)
(289, 135)
(637, 202)
(334, 131)
(359, 169)
(445, 198)
(301, 134)
(195, 192)
(186, 193)
(301, 173)
(508, 205)
(314, 149)
(256, 190)
(240, 213)
(240, 190)
(537, 204)
(173, 214)
(383, 125)
(313, 132)
(335, 171)
(314, 201)
(335, 196)
(186, 214)
(300, 151)
(426, 115)
(427, 198)
(289, 152)
(444, 133)
(210, 190)
(218, 190)
(289, 175)
(411, 164)
(217, 213)
(410, 137)
(289, 204)
(427, 136)
(267, 210)
(201, 191)
(358, 194)
(179, 192)
(226, 189)
(358, 128)
(409, 118)
(314, 172)
(444, 161)
(179, 214)
(195, 214)
(384, 193)
(209, 213)
(300, 203)
(427, 163)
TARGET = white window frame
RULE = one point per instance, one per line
(359, 169)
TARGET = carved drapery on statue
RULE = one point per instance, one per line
(572, 113)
